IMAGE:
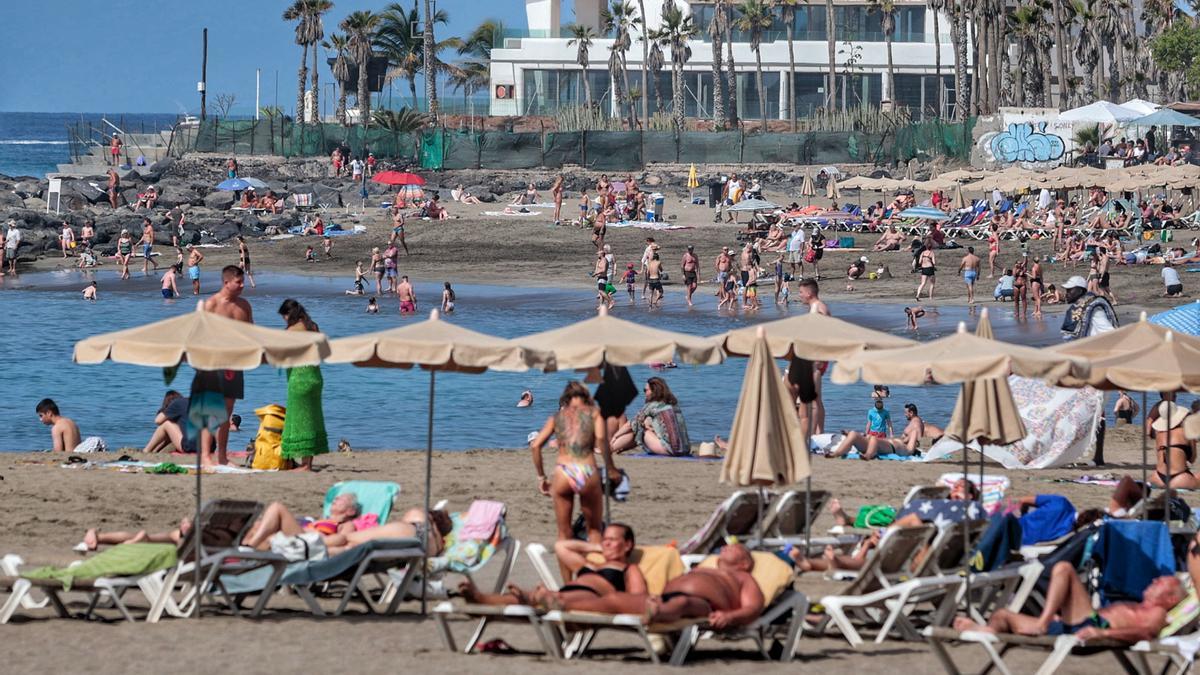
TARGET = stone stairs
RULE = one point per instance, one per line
(150, 146)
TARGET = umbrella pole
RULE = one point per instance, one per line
(1145, 467)
(1167, 461)
(428, 491)
(196, 540)
(808, 514)
(979, 489)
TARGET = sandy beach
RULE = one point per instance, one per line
(49, 508)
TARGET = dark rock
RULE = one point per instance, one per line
(28, 188)
(225, 230)
(9, 198)
(220, 200)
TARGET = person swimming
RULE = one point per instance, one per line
(526, 399)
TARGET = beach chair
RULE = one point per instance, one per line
(781, 620)
(737, 516)
(927, 492)
(374, 497)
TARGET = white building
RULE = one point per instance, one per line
(535, 71)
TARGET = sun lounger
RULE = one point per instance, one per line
(373, 496)
(737, 516)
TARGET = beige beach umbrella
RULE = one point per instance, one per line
(909, 173)
(985, 410)
(807, 189)
(811, 336)
(1171, 364)
(983, 329)
(959, 202)
(205, 341)
(831, 189)
(955, 358)
(435, 345)
(606, 339)
(766, 445)
(855, 183)
(965, 174)
(1122, 343)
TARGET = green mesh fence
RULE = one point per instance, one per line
(599, 150)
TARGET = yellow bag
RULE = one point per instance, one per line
(268, 442)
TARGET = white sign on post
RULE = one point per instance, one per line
(54, 192)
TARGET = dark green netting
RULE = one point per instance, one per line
(612, 150)
(935, 138)
(659, 147)
(708, 147)
(431, 149)
(562, 147)
(460, 150)
(503, 150)
(772, 148)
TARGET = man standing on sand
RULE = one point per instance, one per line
(215, 391)
(804, 376)
(691, 267)
(408, 298)
(114, 186)
(64, 434)
(969, 267)
(195, 257)
(147, 243)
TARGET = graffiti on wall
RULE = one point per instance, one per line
(1027, 142)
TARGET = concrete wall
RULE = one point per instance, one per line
(1029, 137)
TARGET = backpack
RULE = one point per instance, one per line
(268, 442)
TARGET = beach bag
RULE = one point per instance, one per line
(303, 546)
(268, 442)
(875, 516)
(810, 256)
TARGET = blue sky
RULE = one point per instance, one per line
(140, 56)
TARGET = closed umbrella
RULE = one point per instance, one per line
(606, 339)
(807, 189)
(206, 341)
(960, 202)
(693, 181)
(398, 178)
(983, 329)
(435, 345)
(831, 189)
(909, 173)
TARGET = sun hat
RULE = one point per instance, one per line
(1171, 412)
(1075, 282)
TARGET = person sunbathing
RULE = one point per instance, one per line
(462, 196)
(147, 199)
(94, 538)
(890, 240)
(1068, 611)
(725, 596)
(615, 575)
(344, 529)
(249, 200)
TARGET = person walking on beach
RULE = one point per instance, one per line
(1036, 287)
(927, 263)
(195, 257)
(398, 231)
(807, 379)
(66, 240)
(816, 251)
(408, 298)
(114, 188)
(3, 252)
(87, 233)
(690, 265)
(580, 434)
(147, 242)
(304, 434)
(114, 150)
(227, 385)
(556, 192)
(244, 260)
(993, 240)
(969, 268)
(124, 252)
(12, 241)
(795, 251)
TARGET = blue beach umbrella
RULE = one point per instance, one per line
(1183, 319)
(924, 213)
(237, 184)
(1165, 118)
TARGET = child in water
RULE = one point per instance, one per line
(630, 279)
(360, 280)
(89, 292)
(372, 308)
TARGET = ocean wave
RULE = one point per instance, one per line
(11, 142)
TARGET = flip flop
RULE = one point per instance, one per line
(497, 646)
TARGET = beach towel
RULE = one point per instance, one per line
(941, 512)
(375, 497)
(1131, 554)
(648, 225)
(512, 213)
(890, 457)
(482, 518)
(91, 444)
(465, 555)
(119, 561)
(993, 487)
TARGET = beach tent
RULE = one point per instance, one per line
(1165, 118)
(1100, 111)
(206, 341)
(766, 444)
(1141, 105)
(602, 339)
(1184, 319)
(434, 345)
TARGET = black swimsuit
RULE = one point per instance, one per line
(613, 576)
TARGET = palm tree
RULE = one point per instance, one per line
(887, 22)
(480, 41)
(645, 39)
(731, 106)
(1088, 47)
(405, 53)
(831, 44)
(677, 28)
(582, 37)
(341, 71)
(359, 28)
(959, 35)
(1025, 23)
(716, 32)
(470, 77)
(427, 50)
(756, 18)
(788, 13)
(654, 64)
(1060, 48)
(316, 33)
(298, 12)
(619, 19)
(1110, 26)
(937, 7)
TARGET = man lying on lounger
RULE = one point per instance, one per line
(1068, 610)
(340, 531)
(725, 596)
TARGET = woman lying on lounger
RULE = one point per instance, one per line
(616, 575)
(340, 532)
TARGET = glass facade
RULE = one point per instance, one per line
(854, 23)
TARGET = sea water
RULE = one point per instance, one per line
(43, 316)
(32, 144)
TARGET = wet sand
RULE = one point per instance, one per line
(48, 508)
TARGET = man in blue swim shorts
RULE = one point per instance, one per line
(195, 257)
(970, 272)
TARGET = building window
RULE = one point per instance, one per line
(856, 23)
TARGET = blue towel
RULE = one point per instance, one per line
(1131, 554)
(1052, 517)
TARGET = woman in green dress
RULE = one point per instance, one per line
(304, 425)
